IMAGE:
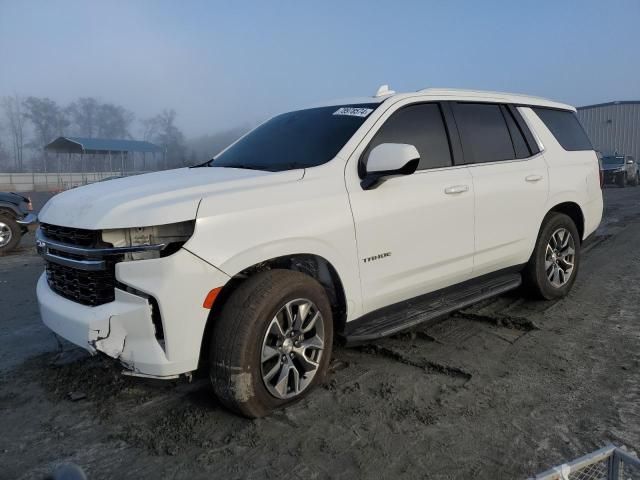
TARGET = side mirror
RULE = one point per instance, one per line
(388, 160)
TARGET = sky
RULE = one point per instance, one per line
(229, 63)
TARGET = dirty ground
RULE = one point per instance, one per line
(504, 389)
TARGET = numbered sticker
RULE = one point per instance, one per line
(353, 111)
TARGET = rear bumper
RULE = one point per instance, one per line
(124, 328)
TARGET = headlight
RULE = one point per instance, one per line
(172, 236)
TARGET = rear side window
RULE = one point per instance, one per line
(565, 127)
(419, 125)
(517, 138)
(484, 133)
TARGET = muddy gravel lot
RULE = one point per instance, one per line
(504, 389)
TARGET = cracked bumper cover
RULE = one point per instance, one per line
(123, 329)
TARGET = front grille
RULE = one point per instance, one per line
(88, 287)
(91, 288)
(72, 236)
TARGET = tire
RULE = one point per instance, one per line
(621, 180)
(245, 334)
(635, 180)
(538, 270)
(10, 234)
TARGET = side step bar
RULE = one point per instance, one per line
(400, 316)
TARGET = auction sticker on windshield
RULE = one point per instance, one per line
(353, 111)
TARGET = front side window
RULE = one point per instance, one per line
(484, 133)
(565, 126)
(300, 139)
(421, 126)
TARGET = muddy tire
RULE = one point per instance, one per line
(272, 342)
(10, 234)
(553, 266)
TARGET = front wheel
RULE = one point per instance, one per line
(272, 342)
(635, 180)
(553, 266)
(10, 234)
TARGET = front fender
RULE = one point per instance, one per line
(10, 206)
(262, 252)
(312, 216)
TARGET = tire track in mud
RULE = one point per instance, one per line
(427, 366)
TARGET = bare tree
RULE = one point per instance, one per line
(13, 110)
(48, 121)
(162, 130)
(113, 121)
(83, 114)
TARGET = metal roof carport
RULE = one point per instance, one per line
(107, 148)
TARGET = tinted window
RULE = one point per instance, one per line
(301, 139)
(484, 133)
(565, 127)
(421, 126)
(517, 138)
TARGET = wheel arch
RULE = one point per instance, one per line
(313, 265)
(573, 211)
(10, 209)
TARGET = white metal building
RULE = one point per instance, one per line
(613, 127)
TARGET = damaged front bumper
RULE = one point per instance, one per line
(122, 329)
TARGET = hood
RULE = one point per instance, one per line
(153, 198)
(13, 198)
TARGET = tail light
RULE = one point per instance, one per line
(600, 171)
(601, 179)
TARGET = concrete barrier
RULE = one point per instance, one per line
(52, 182)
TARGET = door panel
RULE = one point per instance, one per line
(510, 198)
(412, 236)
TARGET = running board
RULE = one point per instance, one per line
(400, 316)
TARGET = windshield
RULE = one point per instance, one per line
(612, 160)
(300, 139)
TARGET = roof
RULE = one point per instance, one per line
(99, 145)
(608, 104)
(456, 94)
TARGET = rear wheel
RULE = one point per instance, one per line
(553, 266)
(272, 342)
(10, 234)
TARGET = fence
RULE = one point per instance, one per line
(51, 182)
(608, 463)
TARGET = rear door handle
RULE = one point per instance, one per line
(533, 178)
(456, 189)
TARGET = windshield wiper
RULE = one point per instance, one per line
(245, 166)
(205, 164)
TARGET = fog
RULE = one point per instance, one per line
(225, 66)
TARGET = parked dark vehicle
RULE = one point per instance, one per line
(620, 170)
(15, 219)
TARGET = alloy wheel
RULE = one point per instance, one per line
(5, 234)
(560, 257)
(292, 348)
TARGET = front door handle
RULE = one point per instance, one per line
(456, 189)
(533, 178)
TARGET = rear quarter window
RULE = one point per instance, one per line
(565, 127)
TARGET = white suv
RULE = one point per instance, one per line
(357, 218)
